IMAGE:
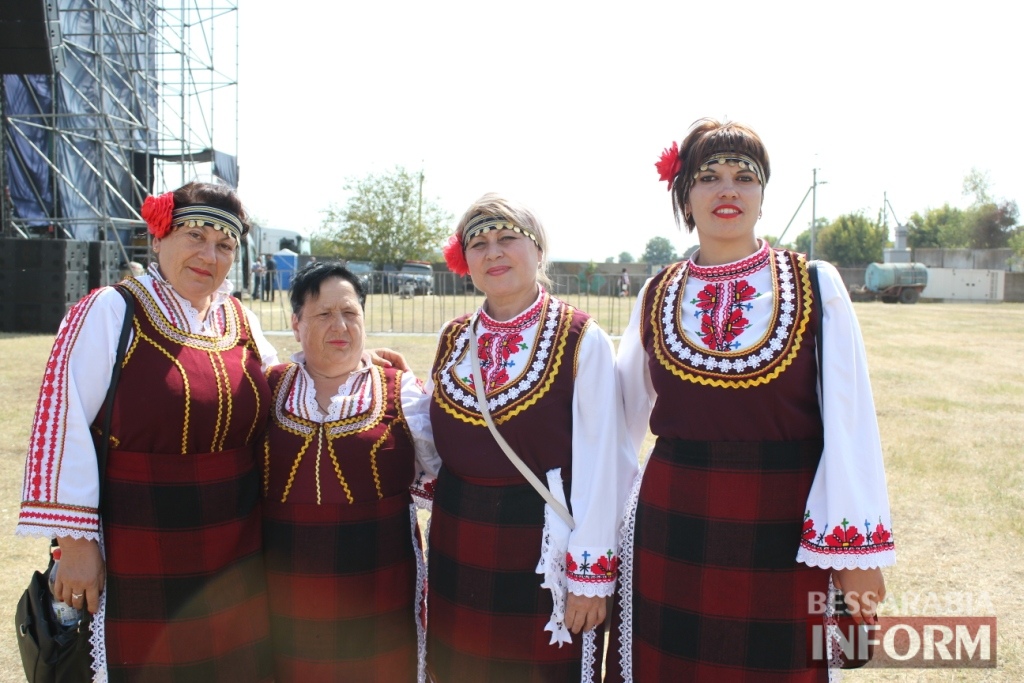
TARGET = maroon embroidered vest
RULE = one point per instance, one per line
(533, 413)
(363, 458)
(765, 392)
(182, 393)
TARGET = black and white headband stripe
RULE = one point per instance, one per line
(483, 224)
(209, 216)
(733, 159)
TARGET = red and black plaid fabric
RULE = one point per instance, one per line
(186, 597)
(717, 592)
(342, 585)
(486, 608)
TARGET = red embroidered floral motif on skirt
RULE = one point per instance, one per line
(718, 594)
(486, 608)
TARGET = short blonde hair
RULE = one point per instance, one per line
(499, 206)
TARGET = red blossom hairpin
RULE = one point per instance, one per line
(156, 211)
(455, 257)
(669, 164)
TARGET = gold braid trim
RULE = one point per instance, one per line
(255, 393)
(780, 364)
(337, 470)
(266, 467)
(373, 460)
(215, 446)
(184, 379)
(295, 468)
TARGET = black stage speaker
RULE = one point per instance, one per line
(40, 279)
(105, 264)
(30, 37)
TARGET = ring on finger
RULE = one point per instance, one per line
(76, 596)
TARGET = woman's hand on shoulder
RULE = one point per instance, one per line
(80, 573)
(387, 358)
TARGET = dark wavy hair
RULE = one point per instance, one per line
(706, 137)
(306, 282)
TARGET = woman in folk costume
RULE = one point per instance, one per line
(345, 572)
(170, 563)
(761, 488)
(515, 595)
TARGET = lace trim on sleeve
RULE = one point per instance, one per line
(553, 548)
(626, 538)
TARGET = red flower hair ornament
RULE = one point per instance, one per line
(455, 257)
(156, 211)
(669, 164)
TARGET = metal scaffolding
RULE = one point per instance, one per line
(143, 98)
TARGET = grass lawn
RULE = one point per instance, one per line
(951, 409)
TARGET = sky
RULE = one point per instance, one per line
(566, 106)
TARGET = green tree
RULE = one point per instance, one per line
(384, 221)
(992, 224)
(1016, 242)
(659, 251)
(852, 240)
(944, 227)
(626, 257)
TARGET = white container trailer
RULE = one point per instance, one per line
(962, 284)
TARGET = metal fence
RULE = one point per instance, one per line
(405, 312)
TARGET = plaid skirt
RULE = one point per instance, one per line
(342, 587)
(486, 608)
(185, 592)
(717, 594)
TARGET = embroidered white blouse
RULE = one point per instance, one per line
(849, 488)
(74, 388)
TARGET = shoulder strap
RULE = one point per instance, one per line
(481, 398)
(115, 376)
(812, 269)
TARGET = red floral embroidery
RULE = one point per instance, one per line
(735, 325)
(510, 344)
(707, 297)
(809, 532)
(880, 535)
(844, 536)
(570, 564)
(744, 292)
(605, 566)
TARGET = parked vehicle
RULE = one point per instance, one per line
(892, 283)
(416, 277)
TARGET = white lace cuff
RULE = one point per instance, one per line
(53, 520)
(592, 590)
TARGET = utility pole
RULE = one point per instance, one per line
(814, 209)
(419, 206)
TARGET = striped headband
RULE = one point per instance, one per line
(733, 159)
(484, 223)
(200, 215)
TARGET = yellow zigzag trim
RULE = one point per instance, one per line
(295, 468)
(373, 460)
(337, 470)
(184, 379)
(255, 393)
(214, 446)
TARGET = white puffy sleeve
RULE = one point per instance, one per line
(268, 354)
(60, 496)
(603, 467)
(638, 395)
(416, 408)
(847, 523)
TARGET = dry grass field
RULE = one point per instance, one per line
(949, 387)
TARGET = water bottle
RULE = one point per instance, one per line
(65, 615)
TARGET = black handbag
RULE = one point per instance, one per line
(49, 653)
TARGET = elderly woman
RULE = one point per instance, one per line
(344, 568)
(170, 562)
(508, 578)
(766, 478)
